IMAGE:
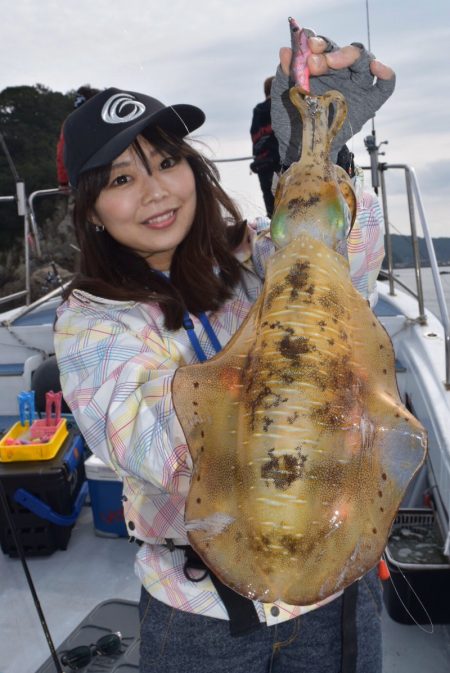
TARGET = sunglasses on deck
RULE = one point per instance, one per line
(81, 656)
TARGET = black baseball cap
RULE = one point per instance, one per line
(103, 127)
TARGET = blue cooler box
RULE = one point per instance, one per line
(105, 489)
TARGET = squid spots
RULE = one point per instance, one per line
(348, 392)
(264, 399)
(298, 275)
(292, 348)
(300, 206)
(272, 295)
(329, 415)
(331, 303)
(283, 470)
(291, 544)
(291, 419)
(267, 422)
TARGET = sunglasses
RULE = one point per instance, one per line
(79, 657)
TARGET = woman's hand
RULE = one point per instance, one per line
(365, 82)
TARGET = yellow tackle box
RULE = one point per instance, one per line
(30, 449)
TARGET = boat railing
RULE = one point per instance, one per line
(38, 302)
(415, 205)
(29, 224)
(26, 210)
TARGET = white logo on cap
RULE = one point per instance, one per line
(114, 106)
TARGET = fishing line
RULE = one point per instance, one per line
(180, 118)
(369, 49)
(17, 542)
(416, 596)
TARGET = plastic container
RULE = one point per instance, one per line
(412, 581)
(105, 489)
(44, 498)
(32, 451)
(108, 617)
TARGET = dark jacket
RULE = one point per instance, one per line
(265, 145)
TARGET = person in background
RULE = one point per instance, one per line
(160, 286)
(82, 95)
(266, 159)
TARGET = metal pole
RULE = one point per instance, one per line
(26, 231)
(436, 277)
(12, 297)
(415, 247)
(222, 161)
(22, 211)
(434, 265)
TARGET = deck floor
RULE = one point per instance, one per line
(94, 569)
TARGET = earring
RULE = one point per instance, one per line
(98, 227)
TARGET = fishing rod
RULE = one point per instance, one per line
(21, 553)
(370, 141)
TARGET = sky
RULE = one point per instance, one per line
(217, 53)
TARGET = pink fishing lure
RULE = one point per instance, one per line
(300, 52)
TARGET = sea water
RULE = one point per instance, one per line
(408, 277)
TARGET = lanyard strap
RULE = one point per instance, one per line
(193, 338)
(210, 332)
(189, 327)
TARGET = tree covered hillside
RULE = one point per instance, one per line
(402, 251)
(30, 123)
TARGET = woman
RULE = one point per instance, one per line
(168, 271)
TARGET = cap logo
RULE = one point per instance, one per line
(112, 109)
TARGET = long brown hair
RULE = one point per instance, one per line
(203, 270)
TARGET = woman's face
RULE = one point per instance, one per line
(149, 213)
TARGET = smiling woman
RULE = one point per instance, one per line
(168, 273)
(149, 203)
(156, 205)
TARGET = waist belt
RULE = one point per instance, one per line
(243, 618)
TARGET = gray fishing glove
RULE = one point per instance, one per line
(364, 97)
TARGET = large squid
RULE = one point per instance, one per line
(302, 448)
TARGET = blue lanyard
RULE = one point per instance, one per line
(193, 338)
(189, 327)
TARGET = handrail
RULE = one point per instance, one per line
(27, 309)
(435, 272)
(51, 191)
(415, 200)
(222, 161)
(45, 192)
(22, 211)
(13, 296)
(26, 210)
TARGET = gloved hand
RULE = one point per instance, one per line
(365, 82)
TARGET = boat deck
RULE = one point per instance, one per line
(94, 569)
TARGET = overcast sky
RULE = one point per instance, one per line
(217, 53)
